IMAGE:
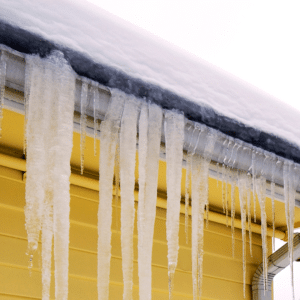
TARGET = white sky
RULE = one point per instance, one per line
(256, 40)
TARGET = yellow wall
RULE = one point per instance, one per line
(223, 277)
(222, 273)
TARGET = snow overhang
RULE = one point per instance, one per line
(29, 43)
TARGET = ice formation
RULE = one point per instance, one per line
(174, 135)
(83, 120)
(48, 119)
(127, 175)
(150, 124)
(242, 183)
(261, 193)
(200, 172)
(49, 136)
(96, 101)
(290, 184)
(109, 139)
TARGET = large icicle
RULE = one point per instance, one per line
(248, 184)
(36, 155)
(200, 173)
(290, 183)
(127, 168)
(61, 171)
(149, 148)
(174, 135)
(274, 164)
(96, 100)
(197, 221)
(261, 193)
(242, 183)
(27, 86)
(83, 121)
(49, 136)
(187, 184)
(233, 185)
(109, 139)
(254, 184)
(2, 85)
(47, 220)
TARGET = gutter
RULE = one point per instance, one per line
(278, 261)
(110, 77)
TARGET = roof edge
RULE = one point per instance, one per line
(26, 42)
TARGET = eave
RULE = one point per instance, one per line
(15, 85)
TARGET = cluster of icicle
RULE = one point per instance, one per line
(49, 110)
(128, 118)
(49, 104)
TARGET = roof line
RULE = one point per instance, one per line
(29, 43)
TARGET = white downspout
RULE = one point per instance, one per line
(278, 261)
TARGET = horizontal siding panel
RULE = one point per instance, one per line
(220, 269)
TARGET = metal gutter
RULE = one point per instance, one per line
(278, 261)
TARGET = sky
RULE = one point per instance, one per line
(257, 41)
(254, 40)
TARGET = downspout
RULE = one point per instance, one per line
(278, 261)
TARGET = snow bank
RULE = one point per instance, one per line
(111, 41)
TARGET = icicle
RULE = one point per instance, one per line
(289, 179)
(127, 167)
(149, 148)
(96, 100)
(117, 182)
(47, 219)
(197, 221)
(49, 136)
(174, 135)
(2, 86)
(36, 157)
(187, 194)
(83, 121)
(26, 102)
(243, 204)
(62, 148)
(109, 133)
(222, 175)
(253, 185)
(47, 238)
(200, 173)
(248, 185)
(233, 185)
(207, 154)
(227, 157)
(261, 188)
(226, 194)
(187, 184)
(273, 202)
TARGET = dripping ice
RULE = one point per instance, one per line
(123, 117)
(109, 140)
(174, 135)
(150, 124)
(49, 133)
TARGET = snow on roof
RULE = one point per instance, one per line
(108, 40)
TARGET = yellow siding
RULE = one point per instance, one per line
(222, 273)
